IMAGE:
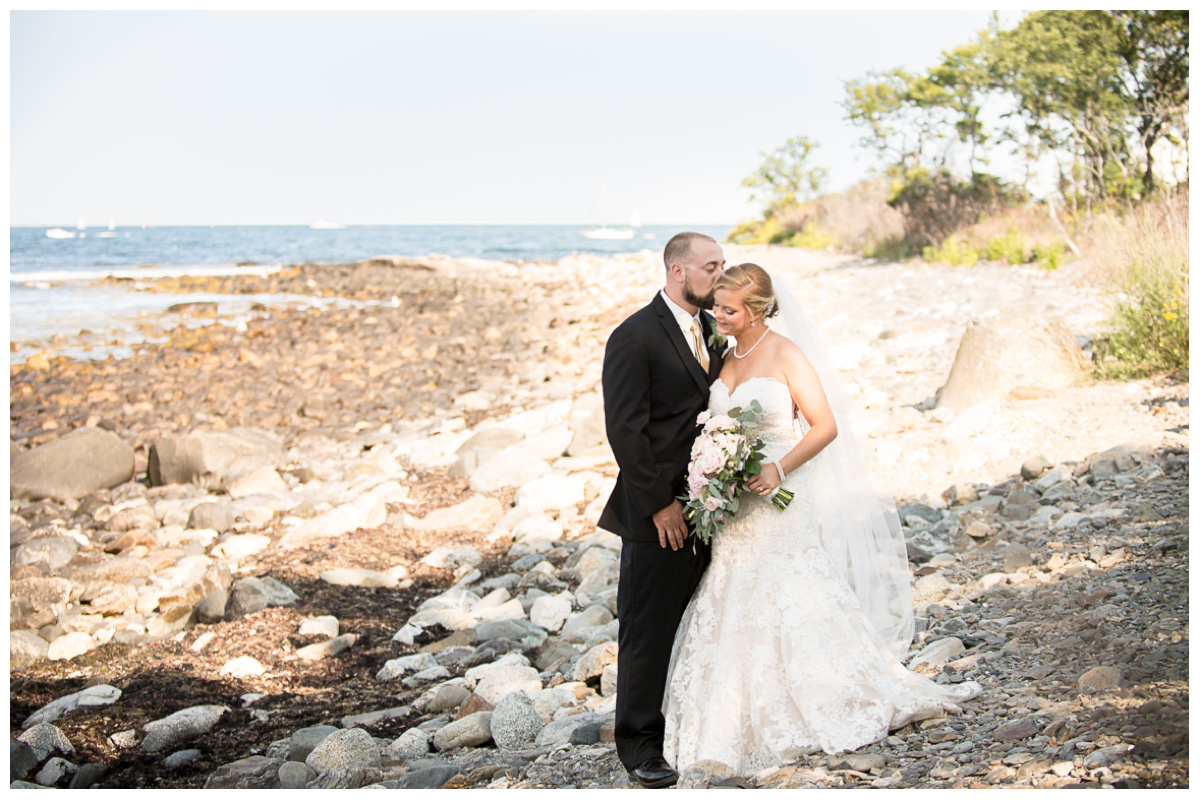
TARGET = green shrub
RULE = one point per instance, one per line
(744, 231)
(812, 236)
(1048, 255)
(765, 231)
(894, 249)
(1008, 246)
(953, 250)
(1146, 261)
(937, 204)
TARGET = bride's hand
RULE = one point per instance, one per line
(764, 482)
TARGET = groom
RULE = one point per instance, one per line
(658, 367)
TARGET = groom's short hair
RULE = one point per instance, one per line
(680, 247)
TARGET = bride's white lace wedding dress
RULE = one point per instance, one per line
(774, 658)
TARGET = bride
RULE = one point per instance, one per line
(793, 639)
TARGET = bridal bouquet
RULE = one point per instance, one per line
(725, 455)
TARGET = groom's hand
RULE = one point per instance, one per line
(672, 527)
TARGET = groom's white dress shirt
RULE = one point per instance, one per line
(683, 318)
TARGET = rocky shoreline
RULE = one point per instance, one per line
(355, 545)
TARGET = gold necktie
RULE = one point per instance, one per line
(698, 344)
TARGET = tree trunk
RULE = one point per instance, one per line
(1149, 137)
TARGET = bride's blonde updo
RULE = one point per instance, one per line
(755, 285)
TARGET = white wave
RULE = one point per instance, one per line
(42, 277)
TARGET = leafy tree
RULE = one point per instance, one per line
(964, 80)
(899, 112)
(1062, 69)
(786, 175)
(1154, 46)
(1103, 87)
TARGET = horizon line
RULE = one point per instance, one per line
(343, 225)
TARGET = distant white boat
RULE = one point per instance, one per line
(106, 235)
(606, 232)
(81, 225)
(59, 233)
(326, 225)
(112, 226)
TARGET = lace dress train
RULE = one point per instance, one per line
(773, 658)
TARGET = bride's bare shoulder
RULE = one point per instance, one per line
(787, 350)
(791, 358)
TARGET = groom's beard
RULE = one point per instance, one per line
(699, 301)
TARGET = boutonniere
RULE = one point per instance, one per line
(715, 340)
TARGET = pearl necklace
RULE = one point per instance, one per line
(756, 344)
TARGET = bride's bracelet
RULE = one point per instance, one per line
(779, 469)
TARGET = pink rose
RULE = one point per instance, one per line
(710, 458)
(721, 422)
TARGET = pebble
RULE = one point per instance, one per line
(180, 758)
(242, 667)
(327, 649)
(326, 626)
(1100, 679)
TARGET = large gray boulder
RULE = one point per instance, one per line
(83, 461)
(590, 433)
(216, 516)
(305, 740)
(512, 466)
(1010, 351)
(100, 695)
(53, 551)
(118, 569)
(255, 594)
(346, 759)
(46, 740)
(212, 459)
(180, 727)
(515, 723)
(255, 772)
(26, 648)
(470, 731)
(41, 592)
(21, 760)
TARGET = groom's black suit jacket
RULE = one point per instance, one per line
(654, 388)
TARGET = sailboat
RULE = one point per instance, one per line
(606, 231)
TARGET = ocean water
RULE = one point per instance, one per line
(52, 297)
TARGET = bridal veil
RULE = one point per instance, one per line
(859, 527)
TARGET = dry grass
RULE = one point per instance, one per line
(1143, 258)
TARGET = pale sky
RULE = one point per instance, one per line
(426, 117)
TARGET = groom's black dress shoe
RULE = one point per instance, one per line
(654, 773)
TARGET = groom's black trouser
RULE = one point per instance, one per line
(655, 586)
